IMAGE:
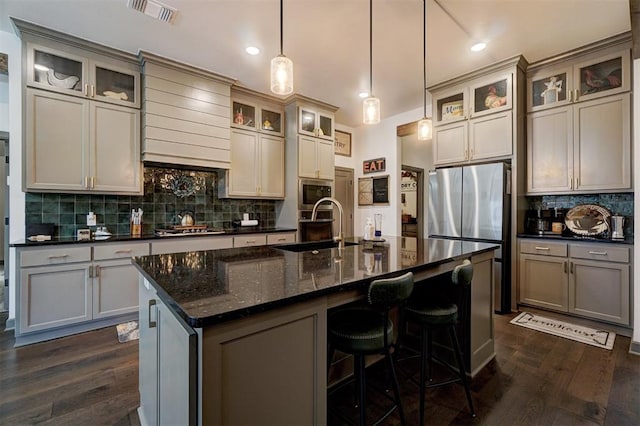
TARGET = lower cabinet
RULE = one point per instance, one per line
(69, 289)
(590, 280)
(168, 363)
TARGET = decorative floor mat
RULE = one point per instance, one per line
(128, 331)
(600, 338)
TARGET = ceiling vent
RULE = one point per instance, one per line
(152, 8)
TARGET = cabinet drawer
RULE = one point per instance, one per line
(545, 248)
(55, 256)
(185, 244)
(599, 252)
(115, 251)
(249, 240)
(281, 238)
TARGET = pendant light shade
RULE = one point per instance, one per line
(371, 105)
(424, 125)
(281, 68)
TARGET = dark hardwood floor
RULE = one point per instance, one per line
(536, 379)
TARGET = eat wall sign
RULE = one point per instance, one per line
(374, 166)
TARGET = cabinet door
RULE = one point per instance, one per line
(115, 149)
(307, 156)
(602, 151)
(450, 106)
(326, 160)
(57, 129)
(550, 151)
(272, 173)
(177, 369)
(148, 354)
(450, 143)
(272, 121)
(602, 75)
(114, 84)
(491, 136)
(544, 281)
(244, 163)
(490, 95)
(549, 87)
(54, 296)
(325, 126)
(57, 70)
(306, 121)
(599, 290)
(115, 288)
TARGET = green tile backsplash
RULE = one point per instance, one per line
(617, 204)
(160, 204)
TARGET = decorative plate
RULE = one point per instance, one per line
(588, 219)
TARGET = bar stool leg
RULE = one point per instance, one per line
(463, 375)
(424, 338)
(396, 388)
(361, 383)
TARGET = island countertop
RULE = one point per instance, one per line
(210, 287)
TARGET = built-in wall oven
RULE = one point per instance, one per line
(311, 190)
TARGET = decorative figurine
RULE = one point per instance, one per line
(552, 92)
(238, 118)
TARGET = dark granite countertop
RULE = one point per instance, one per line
(209, 287)
(127, 237)
(577, 238)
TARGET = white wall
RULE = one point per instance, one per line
(636, 207)
(376, 141)
(11, 45)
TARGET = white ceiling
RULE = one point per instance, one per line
(328, 40)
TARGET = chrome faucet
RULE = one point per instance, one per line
(340, 238)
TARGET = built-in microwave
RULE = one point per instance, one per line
(311, 190)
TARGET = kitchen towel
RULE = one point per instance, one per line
(600, 338)
(128, 331)
(250, 222)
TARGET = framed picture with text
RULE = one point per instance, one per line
(342, 143)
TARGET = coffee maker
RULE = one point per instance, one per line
(617, 227)
(538, 221)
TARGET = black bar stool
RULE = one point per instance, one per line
(365, 330)
(432, 315)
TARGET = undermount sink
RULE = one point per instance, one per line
(313, 245)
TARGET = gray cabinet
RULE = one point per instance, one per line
(579, 121)
(315, 158)
(68, 289)
(167, 373)
(184, 244)
(590, 280)
(474, 115)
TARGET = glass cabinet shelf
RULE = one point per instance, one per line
(271, 121)
(244, 115)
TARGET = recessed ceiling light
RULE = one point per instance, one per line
(252, 50)
(478, 47)
(363, 94)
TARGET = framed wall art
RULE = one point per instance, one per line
(342, 143)
(373, 190)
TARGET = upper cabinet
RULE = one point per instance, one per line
(262, 117)
(593, 76)
(310, 130)
(186, 114)
(579, 121)
(76, 72)
(474, 118)
(314, 122)
(82, 121)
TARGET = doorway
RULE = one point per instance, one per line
(412, 201)
(4, 230)
(344, 194)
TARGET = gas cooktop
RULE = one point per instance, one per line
(186, 230)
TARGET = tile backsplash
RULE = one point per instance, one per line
(167, 193)
(617, 204)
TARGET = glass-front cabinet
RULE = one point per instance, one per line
(488, 96)
(71, 73)
(596, 76)
(254, 116)
(315, 123)
(451, 106)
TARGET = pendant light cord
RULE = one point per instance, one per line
(424, 55)
(370, 47)
(281, 27)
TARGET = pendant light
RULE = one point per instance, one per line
(371, 105)
(424, 125)
(281, 69)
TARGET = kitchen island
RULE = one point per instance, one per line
(238, 336)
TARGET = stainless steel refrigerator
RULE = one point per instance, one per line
(473, 203)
